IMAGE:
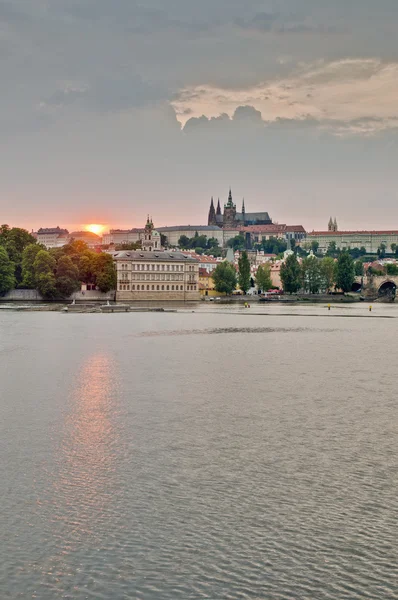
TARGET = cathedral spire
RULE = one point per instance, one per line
(212, 213)
(243, 207)
(218, 207)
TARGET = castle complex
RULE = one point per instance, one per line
(230, 219)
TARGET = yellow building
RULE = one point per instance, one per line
(206, 284)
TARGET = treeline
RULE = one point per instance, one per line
(55, 273)
(316, 275)
(201, 244)
(226, 277)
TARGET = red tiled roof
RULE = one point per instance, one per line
(264, 228)
(298, 228)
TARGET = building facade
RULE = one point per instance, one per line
(173, 233)
(158, 276)
(118, 237)
(370, 240)
(52, 237)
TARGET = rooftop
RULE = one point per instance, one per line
(52, 231)
(155, 256)
(189, 228)
(359, 232)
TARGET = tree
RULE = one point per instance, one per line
(7, 267)
(312, 279)
(105, 272)
(163, 240)
(67, 277)
(237, 242)
(394, 248)
(345, 272)
(314, 246)
(212, 243)
(224, 277)
(381, 251)
(291, 274)
(44, 268)
(15, 241)
(332, 249)
(292, 244)
(244, 272)
(328, 270)
(358, 268)
(392, 269)
(263, 277)
(184, 242)
(28, 260)
(274, 246)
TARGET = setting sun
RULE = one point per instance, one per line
(95, 228)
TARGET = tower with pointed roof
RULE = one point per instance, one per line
(149, 243)
(212, 214)
(330, 224)
(229, 212)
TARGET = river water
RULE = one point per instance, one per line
(226, 453)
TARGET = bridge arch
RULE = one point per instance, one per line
(356, 286)
(387, 288)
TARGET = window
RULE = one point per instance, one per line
(153, 267)
(128, 287)
(157, 287)
(168, 287)
(162, 287)
(162, 267)
(158, 267)
(172, 288)
(153, 287)
(143, 287)
(133, 287)
(147, 287)
(168, 267)
(182, 288)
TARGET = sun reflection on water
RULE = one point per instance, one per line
(83, 487)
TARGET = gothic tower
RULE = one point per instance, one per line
(218, 208)
(212, 214)
(229, 212)
(330, 224)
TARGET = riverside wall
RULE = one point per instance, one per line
(19, 295)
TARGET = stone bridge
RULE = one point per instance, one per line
(376, 285)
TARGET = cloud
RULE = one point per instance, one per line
(360, 95)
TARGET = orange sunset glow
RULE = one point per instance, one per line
(95, 228)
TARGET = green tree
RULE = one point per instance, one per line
(212, 243)
(263, 277)
(394, 248)
(105, 272)
(358, 268)
(244, 272)
(362, 250)
(44, 273)
(291, 274)
(314, 246)
(184, 242)
(345, 272)
(7, 277)
(381, 251)
(28, 260)
(392, 269)
(274, 245)
(292, 244)
(15, 241)
(311, 272)
(67, 277)
(332, 249)
(224, 277)
(328, 270)
(237, 242)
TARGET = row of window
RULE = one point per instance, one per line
(155, 277)
(153, 267)
(158, 288)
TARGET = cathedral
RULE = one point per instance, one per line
(230, 219)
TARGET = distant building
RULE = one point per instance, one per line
(370, 240)
(52, 237)
(152, 274)
(118, 237)
(88, 237)
(255, 234)
(231, 219)
(173, 233)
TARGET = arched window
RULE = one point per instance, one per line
(168, 287)
(153, 287)
(182, 287)
(147, 287)
(162, 288)
(157, 287)
(172, 288)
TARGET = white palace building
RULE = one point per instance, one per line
(154, 274)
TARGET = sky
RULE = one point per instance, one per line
(110, 110)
